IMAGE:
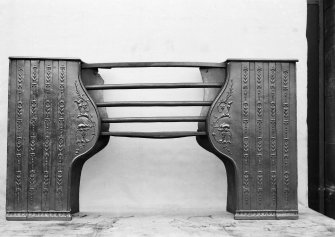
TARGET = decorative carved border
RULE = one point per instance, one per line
(34, 80)
(286, 127)
(36, 215)
(266, 214)
(47, 134)
(273, 134)
(19, 136)
(245, 111)
(255, 214)
(259, 130)
(61, 145)
(287, 214)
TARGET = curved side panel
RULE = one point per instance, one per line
(218, 75)
(88, 128)
(84, 119)
(208, 75)
(223, 126)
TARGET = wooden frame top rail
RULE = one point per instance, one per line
(173, 134)
(154, 119)
(153, 86)
(153, 64)
(153, 103)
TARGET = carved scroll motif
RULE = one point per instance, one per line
(220, 126)
(85, 124)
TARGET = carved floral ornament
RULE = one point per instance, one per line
(220, 126)
(85, 124)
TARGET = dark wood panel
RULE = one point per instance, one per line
(312, 34)
(238, 125)
(53, 123)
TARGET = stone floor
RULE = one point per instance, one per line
(211, 224)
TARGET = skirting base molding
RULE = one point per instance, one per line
(38, 216)
(266, 215)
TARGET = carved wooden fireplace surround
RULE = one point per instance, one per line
(57, 120)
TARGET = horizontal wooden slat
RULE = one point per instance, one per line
(176, 134)
(153, 103)
(153, 64)
(153, 86)
(154, 119)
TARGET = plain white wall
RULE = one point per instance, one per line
(155, 175)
